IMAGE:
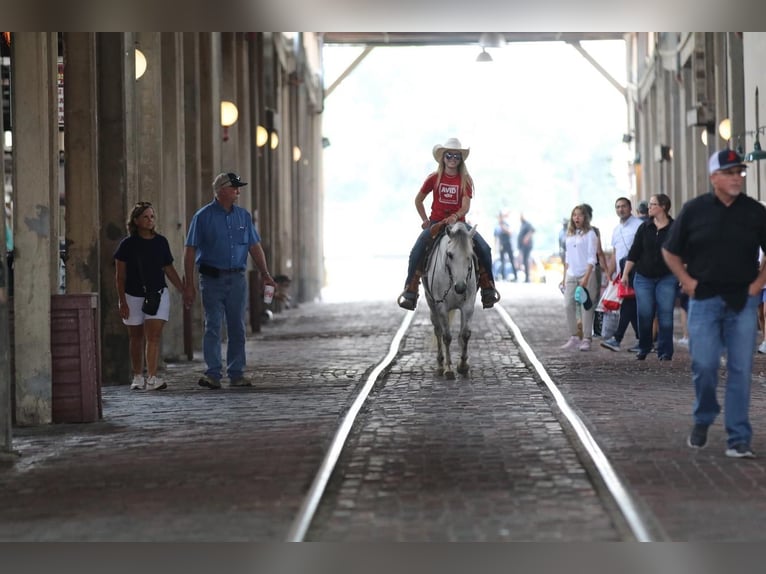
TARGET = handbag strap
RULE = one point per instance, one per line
(141, 272)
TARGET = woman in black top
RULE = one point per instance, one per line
(654, 283)
(142, 262)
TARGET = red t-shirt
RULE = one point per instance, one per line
(447, 198)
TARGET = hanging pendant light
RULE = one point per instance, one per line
(757, 154)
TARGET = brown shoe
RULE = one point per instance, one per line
(489, 295)
(408, 300)
(409, 297)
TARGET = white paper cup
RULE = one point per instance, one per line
(268, 293)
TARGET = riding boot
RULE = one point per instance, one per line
(489, 295)
(409, 297)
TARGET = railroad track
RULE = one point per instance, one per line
(499, 455)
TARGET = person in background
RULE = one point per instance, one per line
(503, 236)
(9, 247)
(622, 239)
(563, 239)
(452, 188)
(598, 318)
(643, 210)
(525, 244)
(654, 284)
(221, 235)
(143, 260)
(713, 251)
(581, 257)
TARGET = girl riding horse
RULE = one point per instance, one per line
(452, 188)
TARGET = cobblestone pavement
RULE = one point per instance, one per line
(195, 464)
(481, 458)
(640, 414)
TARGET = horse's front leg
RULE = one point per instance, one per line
(447, 340)
(465, 335)
(438, 329)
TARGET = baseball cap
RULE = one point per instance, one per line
(227, 179)
(724, 159)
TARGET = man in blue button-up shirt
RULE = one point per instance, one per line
(220, 236)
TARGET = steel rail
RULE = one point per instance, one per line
(310, 503)
(613, 483)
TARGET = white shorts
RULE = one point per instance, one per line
(137, 316)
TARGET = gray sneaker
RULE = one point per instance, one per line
(209, 382)
(240, 382)
(698, 436)
(611, 344)
(740, 450)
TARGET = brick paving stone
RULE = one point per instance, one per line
(192, 464)
(482, 458)
(640, 414)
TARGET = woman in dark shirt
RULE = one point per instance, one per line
(654, 283)
(142, 261)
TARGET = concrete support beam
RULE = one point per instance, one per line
(210, 110)
(81, 163)
(172, 203)
(193, 191)
(35, 171)
(116, 144)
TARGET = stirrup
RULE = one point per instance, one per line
(407, 300)
(489, 297)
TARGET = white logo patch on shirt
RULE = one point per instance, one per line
(448, 194)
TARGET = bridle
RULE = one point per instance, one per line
(451, 283)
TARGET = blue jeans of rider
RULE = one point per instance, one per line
(655, 294)
(714, 327)
(480, 246)
(224, 298)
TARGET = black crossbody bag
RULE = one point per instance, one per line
(151, 298)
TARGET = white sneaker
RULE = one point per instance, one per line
(571, 344)
(155, 384)
(585, 345)
(684, 341)
(762, 348)
(138, 384)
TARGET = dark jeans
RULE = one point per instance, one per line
(655, 294)
(628, 316)
(480, 247)
(507, 249)
(525, 251)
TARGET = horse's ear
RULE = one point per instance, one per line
(473, 230)
(448, 230)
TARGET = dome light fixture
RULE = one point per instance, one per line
(140, 63)
(483, 56)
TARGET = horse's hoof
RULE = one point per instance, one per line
(440, 371)
(463, 369)
(449, 375)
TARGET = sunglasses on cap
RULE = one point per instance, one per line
(457, 156)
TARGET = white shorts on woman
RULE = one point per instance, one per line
(137, 316)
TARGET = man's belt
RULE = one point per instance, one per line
(209, 271)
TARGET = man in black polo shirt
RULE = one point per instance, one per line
(713, 251)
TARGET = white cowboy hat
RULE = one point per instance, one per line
(452, 144)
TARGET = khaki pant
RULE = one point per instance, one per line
(570, 305)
